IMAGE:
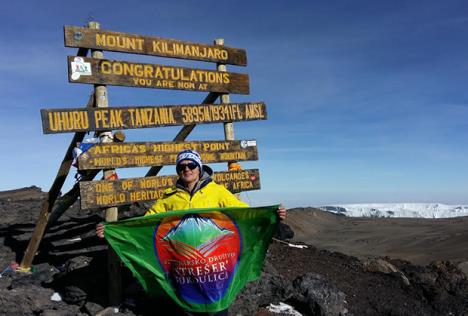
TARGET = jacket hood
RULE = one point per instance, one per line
(206, 172)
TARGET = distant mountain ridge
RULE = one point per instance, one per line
(412, 210)
(26, 193)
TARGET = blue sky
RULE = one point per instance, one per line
(367, 100)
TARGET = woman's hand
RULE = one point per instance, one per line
(100, 230)
(281, 212)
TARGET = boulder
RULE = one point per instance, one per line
(41, 274)
(284, 232)
(271, 287)
(382, 266)
(25, 300)
(54, 312)
(379, 265)
(92, 308)
(77, 263)
(74, 295)
(463, 266)
(318, 296)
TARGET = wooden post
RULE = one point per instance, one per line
(111, 213)
(228, 127)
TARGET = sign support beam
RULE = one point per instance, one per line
(51, 196)
(111, 213)
(228, 127)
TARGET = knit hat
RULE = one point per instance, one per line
(191, 155)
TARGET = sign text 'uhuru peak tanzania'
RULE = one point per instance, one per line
(98, 119)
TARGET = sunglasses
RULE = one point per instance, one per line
(181, 167)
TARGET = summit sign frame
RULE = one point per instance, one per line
(151, 45)
(89, 66)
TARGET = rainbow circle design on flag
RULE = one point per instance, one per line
(199, 254)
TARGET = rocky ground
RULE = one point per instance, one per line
(72, 262)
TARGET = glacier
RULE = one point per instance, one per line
(412, 210)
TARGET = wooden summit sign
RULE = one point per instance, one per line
(101, 119)
(98, 117)
(150, 45)
(126, 191)
(132, 74)
(125, 155)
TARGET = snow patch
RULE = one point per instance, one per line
(415, 210)
(283, 308)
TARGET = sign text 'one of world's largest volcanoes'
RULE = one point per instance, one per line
(151, 45)
(132, 74)
(99, 119)
(126, 191)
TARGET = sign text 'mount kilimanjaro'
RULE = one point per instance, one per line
(99, 119)
(131, 74)
(126, 155)
(150, 45)
(126, 191)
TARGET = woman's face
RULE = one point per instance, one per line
(188, 175)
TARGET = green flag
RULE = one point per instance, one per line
(201, 258)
